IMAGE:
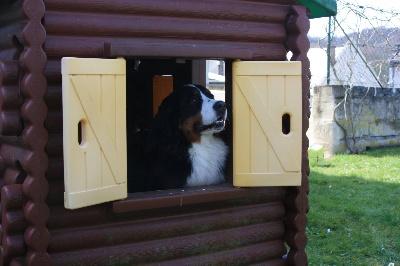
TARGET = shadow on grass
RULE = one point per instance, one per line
(324, 165)
(382, 151)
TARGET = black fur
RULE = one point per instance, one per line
(159, 157)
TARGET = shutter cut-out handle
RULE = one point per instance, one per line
(286, 123)
(81, 140)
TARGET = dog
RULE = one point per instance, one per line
(181, 147)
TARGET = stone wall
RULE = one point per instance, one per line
(354, 119)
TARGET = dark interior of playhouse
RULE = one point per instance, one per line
(150, 80)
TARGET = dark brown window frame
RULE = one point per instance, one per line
(190, 196)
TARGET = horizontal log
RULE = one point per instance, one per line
(180, 51)
(14, 246)
(10, 100)
(9, 53)
(55, 196)
(177, 197)
(238, 10)
(278, 2)
(11, 13)
(13, 176)
(61, 217)
(12, 150)
(52, 72)
(13, 222)
(10, 97)
(89, 24)
(166, 249)
(12, 197)
(54, 124)
(80, 46)
(53, 97)
(7, 33)
(54, 120)
(9, 72)
(10, 123)
(55, 171)
(269, 253)
(129, 232)
(54, 147)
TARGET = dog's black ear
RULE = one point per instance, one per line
(166, 120)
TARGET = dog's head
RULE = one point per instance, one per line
(192, 110)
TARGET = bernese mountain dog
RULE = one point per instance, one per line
(181, 147)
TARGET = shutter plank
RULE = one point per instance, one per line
(94, 92)
(271, 129)
(242, 133)
(101, 130)
(267, 91)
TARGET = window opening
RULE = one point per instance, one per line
(150, 81)
(215, 70)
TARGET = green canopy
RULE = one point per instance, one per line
(320, 8)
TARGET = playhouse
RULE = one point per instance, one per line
(77, 77)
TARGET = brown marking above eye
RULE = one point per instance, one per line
(193, 100)
(187, 128)
(195, 92)
(194, 96)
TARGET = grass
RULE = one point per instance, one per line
(354, 216)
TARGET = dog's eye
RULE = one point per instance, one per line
(193, 100)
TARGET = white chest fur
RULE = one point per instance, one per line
(208, 161)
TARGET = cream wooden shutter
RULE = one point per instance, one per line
(263, 92)
(94, 117)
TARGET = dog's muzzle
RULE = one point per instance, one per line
(219, 124)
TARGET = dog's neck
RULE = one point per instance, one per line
(208, 158)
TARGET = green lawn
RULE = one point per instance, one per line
(354, 216)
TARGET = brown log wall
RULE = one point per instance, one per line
(12, 21)
(12, 147)
(246, 230)
(36, 229)
(82, 28)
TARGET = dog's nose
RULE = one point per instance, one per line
(219, 106)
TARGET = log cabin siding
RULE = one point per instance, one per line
(172, 233)
(36, 229)
(81, 29)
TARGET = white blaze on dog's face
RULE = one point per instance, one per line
(208, 153)
(213, 113)
(201, 113)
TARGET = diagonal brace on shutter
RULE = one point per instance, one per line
(100, 129)
(267, 124)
